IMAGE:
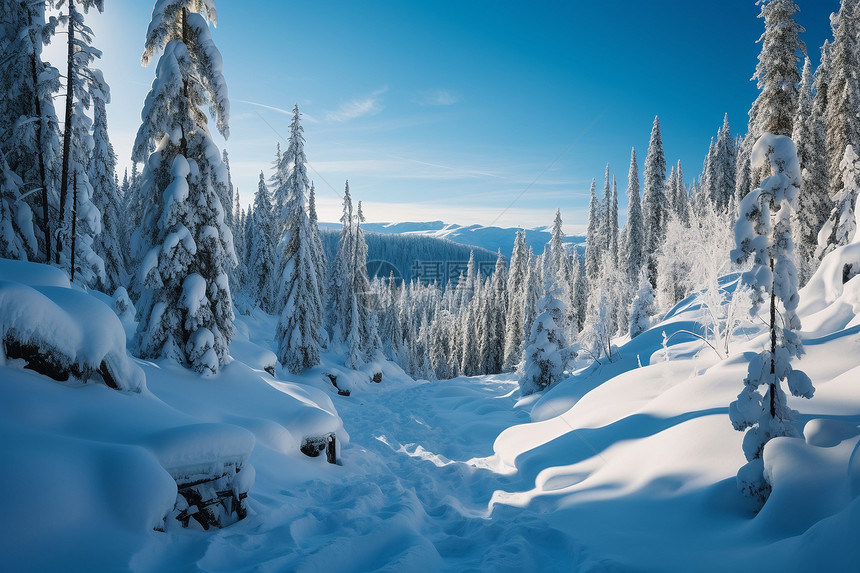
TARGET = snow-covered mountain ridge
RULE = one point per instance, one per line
(485, 237)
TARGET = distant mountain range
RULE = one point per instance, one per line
(489, 238)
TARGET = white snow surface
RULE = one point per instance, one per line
(628, 466)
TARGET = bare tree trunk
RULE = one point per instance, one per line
(772, 344)
(67, 131)
(40, 134)
(74, 222)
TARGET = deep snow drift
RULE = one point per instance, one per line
(623, 466)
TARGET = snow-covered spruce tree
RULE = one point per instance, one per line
(368, 342)
(777, 77)
(813, 201)
(225, 191)
(263, 280)
(840, 227)
(612, 224)
(186, 307)
(106, 197)
(546, 352)
(79, 220)
(514, 327)
(298, 303)
(17, 240)
(678, 190)
(578, 294)
(317, 250)
(632, 244)
(841, 96)
(493, 314)
(743, 173)
(592, 236)
(341, 278)
(532, 293)
(776, 73)
(641, 307)
(763, 233)
(603, 232)
(239, 247)
(724, 168)
(29, 132)
(654, 201)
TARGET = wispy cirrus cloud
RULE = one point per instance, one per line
(305, 116)
(356, 108)
(438, 98)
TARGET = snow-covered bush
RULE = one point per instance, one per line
(763, 233)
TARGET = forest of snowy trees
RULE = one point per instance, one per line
(173, 233)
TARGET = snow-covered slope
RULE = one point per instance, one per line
(628, 466)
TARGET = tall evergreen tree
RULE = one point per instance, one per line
(516, 302)
(186, 307)
(29, 130)
(341, 278)
(813, 200)
(763, 233)
(592, 237)
(106, 196)
(841, 97)
(777, 73)
(654, 201)
(298, 304)
(263, 281)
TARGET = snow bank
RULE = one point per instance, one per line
(77, 332)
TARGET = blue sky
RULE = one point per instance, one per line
(489, 112)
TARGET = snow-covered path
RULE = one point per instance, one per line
(412, 494)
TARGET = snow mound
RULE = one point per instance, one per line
(72, 331)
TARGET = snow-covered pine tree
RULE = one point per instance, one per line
(368, 341)
(641, 307)
(840, 227)
(743, 173)
(592, 236)
(263, 281)
(776, 74)
(532, 292)
(106, 196)
(654, 201)
(17, 239)
(777, 77)
(493, 314)
(763, 233)
(341, 278)
(514, 327)
(725, 167)
(632, 246)
(29, 129)
(186, 307)
(841, 89)
(612, 224)
(298, 303)
(813, 201)
(578, 294)
(681, 201)
(317, 250)
(80, 219)
(225, 191)
(241, 270)
(547, 349)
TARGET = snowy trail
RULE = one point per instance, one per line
(413, 494)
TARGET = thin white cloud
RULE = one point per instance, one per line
(438, 98)
(356, 108)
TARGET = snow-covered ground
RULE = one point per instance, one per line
(628, 466)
